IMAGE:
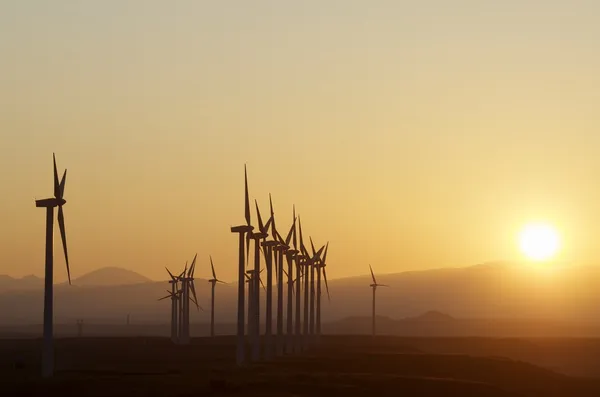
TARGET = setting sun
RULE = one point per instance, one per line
(539, 241)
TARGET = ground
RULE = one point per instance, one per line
(338, 365)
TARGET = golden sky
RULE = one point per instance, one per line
(409, 135)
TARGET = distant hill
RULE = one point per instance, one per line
(8, 283)
(431, 315)
(110, 276)
(447, 301)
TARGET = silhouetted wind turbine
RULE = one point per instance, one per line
(187, 286)
(299, 260)
(174, 297)
(279, 251)
(175, 308)
(315, 260)
(306, 264)
(374, 286)
(321, 267)
(269, 247)
(180, 304)
(213, 281)
(258, 236)
(250, 279)
(242, 231)
(50, 204)
(289, 255)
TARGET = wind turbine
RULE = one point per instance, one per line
(187, 285)
(260, 235)
(279, 250)
(374, 286)
(306, 264)
(50, 204)
(174, 297)
(269, 248)
(289, 255)
(316, 261)
(242, 231)
(213, 281)
(180, 305)
(320, 268)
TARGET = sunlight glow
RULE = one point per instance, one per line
(539, 241)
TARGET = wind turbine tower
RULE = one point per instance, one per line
(242, 231)
(289, 255)
(321, 268)
(187, 286)
(279, 251)
(174, 312)
(213, 281)
(50, 204)
(374, 286)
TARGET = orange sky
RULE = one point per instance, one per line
(410, 136)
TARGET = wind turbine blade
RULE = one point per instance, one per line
(63, 236)
(326, 285)
(269, 222)
(382, 285)
(300, 229)
(194, 293)
(192, 267)
(56, 183)
(261, 227)
(325, 253)
(261, 283)
(312, 246)
(222, 282)
(212, 266)
(294, 227)
(247, 196)
(288, 238)
(164, 297)
(248, 237)
(319, 252)
(281, 240)
(273, 227)
(63, 181)
(372, 275)
(171, 274)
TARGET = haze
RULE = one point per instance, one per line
(409, 135)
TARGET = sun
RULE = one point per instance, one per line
(539, 241)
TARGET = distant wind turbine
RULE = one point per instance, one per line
(174, 312)
(374, 286)
(279, 251)
(258, 236)
(306, 274)
(316, 261)
(242, 231)
(213, 281)
(50, 204)
(187, 285)
(289, 255)
(321, 269)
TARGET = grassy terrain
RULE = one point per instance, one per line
(339, 365)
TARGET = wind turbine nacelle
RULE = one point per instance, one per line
(242, 229)
(50, 202)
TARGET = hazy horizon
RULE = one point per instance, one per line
(410, 136)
